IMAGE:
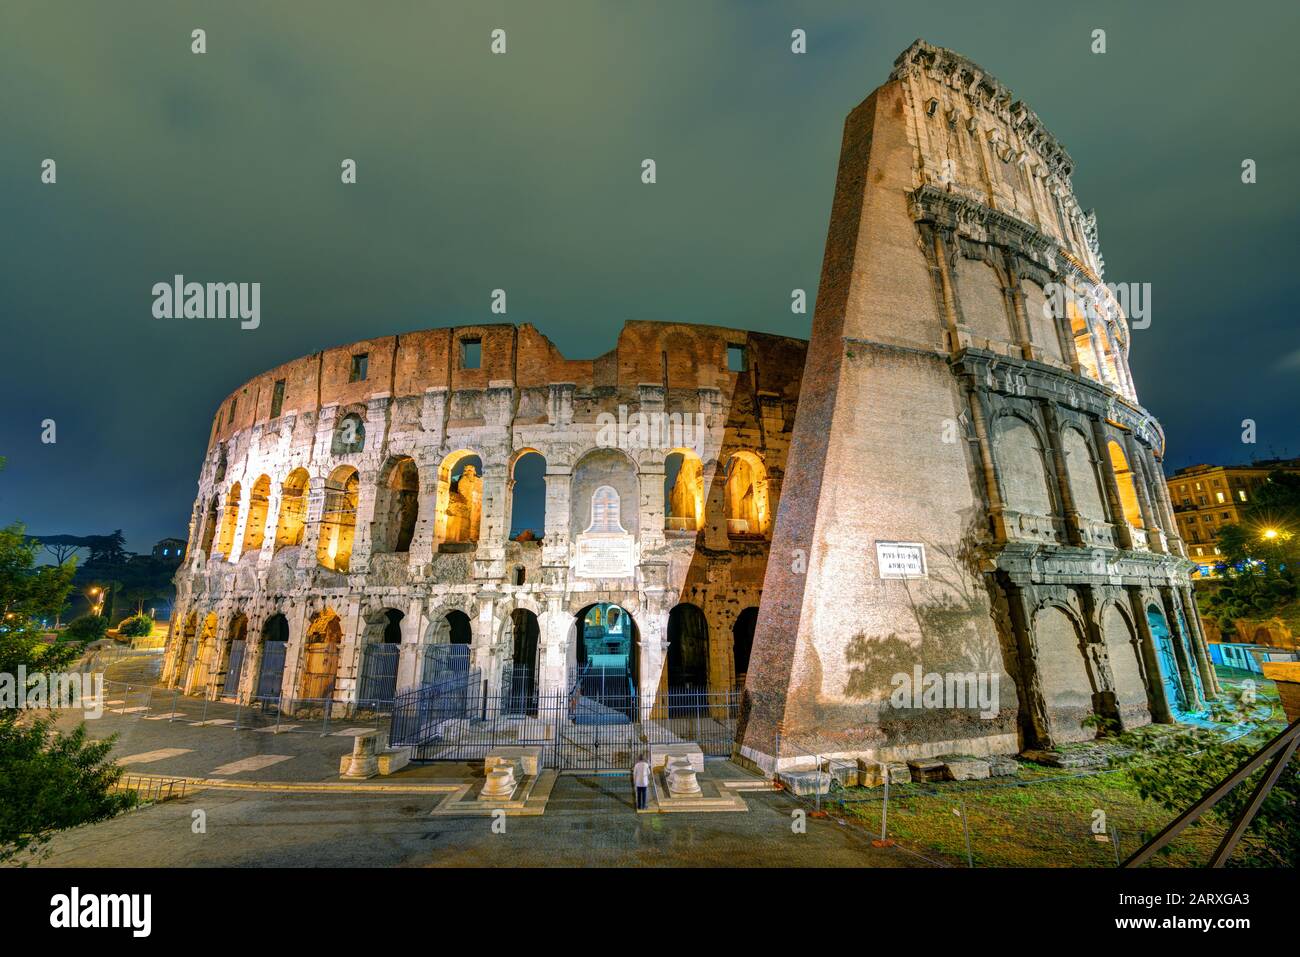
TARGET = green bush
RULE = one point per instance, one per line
(86, 628)
(137, 626)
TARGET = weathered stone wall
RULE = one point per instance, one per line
(946, 407)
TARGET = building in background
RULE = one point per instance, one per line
(1207, 497)
(170, 550)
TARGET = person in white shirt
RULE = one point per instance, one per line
(641, 779)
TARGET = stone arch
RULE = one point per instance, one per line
(1022, 466)
(381, 640)
(1125, 480)
(683, 491)
(525, 647)
(688, 648)
(293, 510)
(272, 644)
(603, 649)
(527, 488)
(742, 643)
(458, 509)
(209, 532)
(983, 302)
(1063, 671)
(1081, 468)
(232, 653)
(338, 523)
(181, 650)
(397, 506)
(349, 434)
(746, 495)
(206, 650)
(229, 521)
(259, 499)
(1082, 333)
(1125, 664)
(322, 648)
(446, 650)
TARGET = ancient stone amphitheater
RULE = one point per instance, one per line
(975, 493)
(365, 496)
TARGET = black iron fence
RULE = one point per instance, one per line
(459, 720)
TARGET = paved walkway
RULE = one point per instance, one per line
(287, 807)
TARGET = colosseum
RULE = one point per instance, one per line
(364, 511)
(975, 552)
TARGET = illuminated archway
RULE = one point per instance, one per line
(322, 647)
(339, 521)
(747, 510)
(255, 525)
(1128, 496)
(293, 510)
(229, 521)
(459, 503)
(683, 491)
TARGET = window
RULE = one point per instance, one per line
(1241, 494)
(360, 365)
(231, 420)
(277, 398)
(736, 358)
(1219, 497)
(471, 353)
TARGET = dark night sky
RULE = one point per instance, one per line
(522, 172)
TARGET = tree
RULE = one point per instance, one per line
(49, 780)
(106, 549)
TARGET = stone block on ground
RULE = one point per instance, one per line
(1002, 765)
(899, 773)
(925, 770)
(967, 769)
(803, 783)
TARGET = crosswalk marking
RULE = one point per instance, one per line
(254, 763)
(199, 724)
(162, 754)
(164, 717)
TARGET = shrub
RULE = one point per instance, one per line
(86, 628)
(137, 626)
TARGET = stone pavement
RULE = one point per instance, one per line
(281, 803)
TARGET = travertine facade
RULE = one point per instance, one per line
(379, 509)
(948, 407)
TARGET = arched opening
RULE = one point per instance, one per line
(349, 435)
(688, 649)
(293, 510)
(683, 491)
(459, 510)
(255, 527)
(604, 654)
(236, 642)
(1063, 672)
(270, 670)
(181, 655)
(322, 646)
(446, 651)
(1128, 498)
(742, 643)
(206, 652)
(746, 496)
(209, 527)
(528, 497)
(1126, 668)
(1165, 658)
(339, 519)
(377, 686)
(1022, 467)
(229, 521)
(1082, 470)
(522, 678)
(397, 507)
(1081, 332)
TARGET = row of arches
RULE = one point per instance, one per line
(458, 504)
(607, 638)
(1023, 457)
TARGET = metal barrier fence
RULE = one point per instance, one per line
(151, 788)
(459, 720)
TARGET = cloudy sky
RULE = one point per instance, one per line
(522, 172)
